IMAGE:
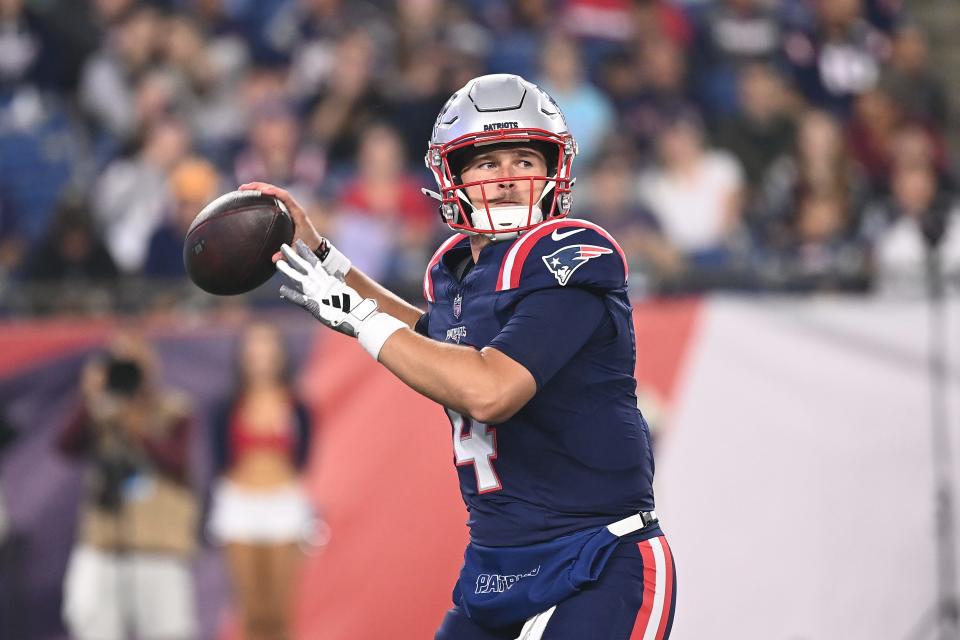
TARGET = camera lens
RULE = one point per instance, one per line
(124, 376)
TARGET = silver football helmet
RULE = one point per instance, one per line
(497, 109)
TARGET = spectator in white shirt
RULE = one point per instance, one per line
(918, 211)
(132, 194)
(695, 193)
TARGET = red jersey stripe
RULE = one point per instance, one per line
(512, 266)
(427, 278)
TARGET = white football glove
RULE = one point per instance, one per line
(332, 261)
(332, 302)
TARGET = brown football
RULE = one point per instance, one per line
(229, 247)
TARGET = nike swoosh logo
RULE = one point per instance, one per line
(556, 235)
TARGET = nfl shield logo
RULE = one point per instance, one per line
(457, 306)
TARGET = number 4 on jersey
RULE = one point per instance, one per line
(475, 443)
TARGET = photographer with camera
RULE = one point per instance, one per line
(138, 520)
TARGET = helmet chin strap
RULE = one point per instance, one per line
(505, 219)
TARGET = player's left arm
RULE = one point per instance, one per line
(545, 330)
(486, 385)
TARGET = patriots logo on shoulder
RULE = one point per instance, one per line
(563, 262)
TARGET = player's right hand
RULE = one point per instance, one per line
(331, 259)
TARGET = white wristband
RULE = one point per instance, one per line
(336, 264)
(375, 330)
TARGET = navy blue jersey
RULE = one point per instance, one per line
(578, 454)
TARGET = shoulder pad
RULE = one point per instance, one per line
(564, 253)
(448, 244)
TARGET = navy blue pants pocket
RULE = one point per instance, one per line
(633, 597)
(500, 586)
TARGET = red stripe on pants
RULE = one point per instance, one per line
(667, 589)
(649, 589)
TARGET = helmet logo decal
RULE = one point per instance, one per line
(563, 262)
(493, 126)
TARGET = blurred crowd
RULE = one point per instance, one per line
(784, 145)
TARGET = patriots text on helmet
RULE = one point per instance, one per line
(493, 126)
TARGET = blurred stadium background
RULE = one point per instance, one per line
(776, 171)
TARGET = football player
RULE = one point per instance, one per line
(528, 344)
